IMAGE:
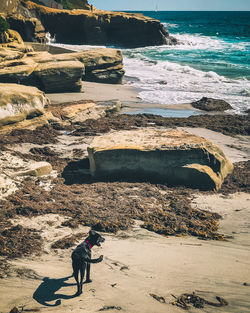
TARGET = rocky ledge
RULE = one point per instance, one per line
(59, 72)
(95, 28)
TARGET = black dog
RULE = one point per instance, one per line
(81, 258)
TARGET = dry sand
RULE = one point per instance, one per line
(137, 262)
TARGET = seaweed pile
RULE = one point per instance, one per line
(226, 124)
(18, 241)
(184, 301)
(107, 207)
(110, 206)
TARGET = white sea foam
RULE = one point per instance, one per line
(49, 38)
(75, 47)
(166, 82)
(171, 83)
(170, 25)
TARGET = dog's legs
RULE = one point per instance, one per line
(88, 280)
(76, 274)
(82, 272)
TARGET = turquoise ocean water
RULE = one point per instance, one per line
(212, 58)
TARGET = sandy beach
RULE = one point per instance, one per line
(138, 263)
(124, 93)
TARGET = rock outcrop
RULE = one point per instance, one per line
(31, 28)
(100, 27)
(60, 72)
(175, 157)
(51, 76)
(18, 103)
(7, 6)
(102, 65)
(210, 104)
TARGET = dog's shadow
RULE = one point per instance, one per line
(46, 291)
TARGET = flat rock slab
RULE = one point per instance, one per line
(36, 169)
(172, 156)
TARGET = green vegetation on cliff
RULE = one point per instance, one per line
(4, 25)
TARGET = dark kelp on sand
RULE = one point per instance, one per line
(110, 206)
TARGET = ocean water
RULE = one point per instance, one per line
(212, 59)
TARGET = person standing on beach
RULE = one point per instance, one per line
(91, 8)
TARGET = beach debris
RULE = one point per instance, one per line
(18, 241)
(68, 241)
(158, 298)
(22, 309)
(227, 124)
(104, 206)
(110, 307)
(185, 299)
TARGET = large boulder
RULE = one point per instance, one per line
(18, 102)
(51, 76)
(172, 156)
(101, 27)
(59, 76)
(103, 65)
(210, 104)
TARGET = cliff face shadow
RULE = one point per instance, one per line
(46, 291)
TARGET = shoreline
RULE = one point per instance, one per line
(124, 93)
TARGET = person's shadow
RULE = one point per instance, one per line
(46, 291)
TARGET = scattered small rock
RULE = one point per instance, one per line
(210, 104)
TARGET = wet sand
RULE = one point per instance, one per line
(125, 93)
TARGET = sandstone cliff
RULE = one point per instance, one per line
(97, 27)
(7, 6)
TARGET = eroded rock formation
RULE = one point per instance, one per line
(175, 157)
(102, 65)
(18, 103)
(97, 27)
(59, 72)
(30, 28)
